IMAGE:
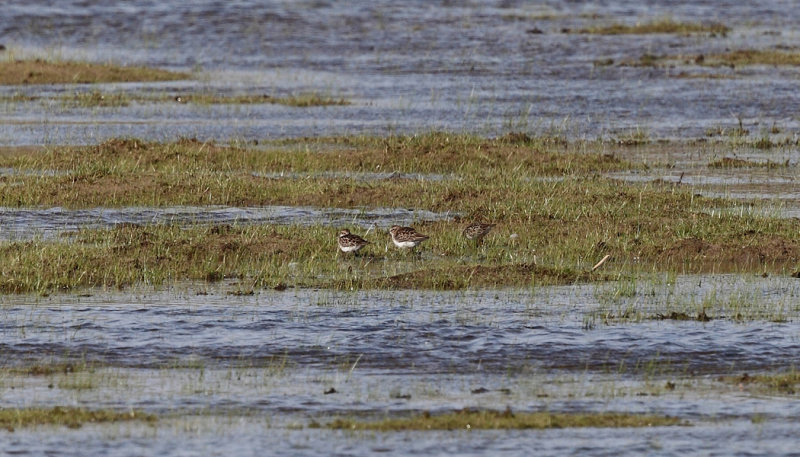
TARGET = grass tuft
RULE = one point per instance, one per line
(468, 419)
(732, 162)
(11, 418)
(665, 25)
(38, 71)
(786, 383)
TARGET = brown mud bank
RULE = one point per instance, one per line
(483, 276)
(750, 252)
(40, 71)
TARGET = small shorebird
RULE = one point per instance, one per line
(477, 231)
(349, 242)
(406, 237)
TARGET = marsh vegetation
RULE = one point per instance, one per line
(10, 418)
(557, 215)
(476, 420)
(99, 99)
(663, 25)
(40, 71)
(168, 239)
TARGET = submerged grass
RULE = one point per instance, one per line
(732, 162)
(664, 25)
(96, 99)
(746, 57)
(785, 383)
(99, 99)
(49, 369)
(733, 59)
(302, 100)
(468, 419)
(38, 71)
(11, 418)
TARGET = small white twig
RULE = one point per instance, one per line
(600, 263)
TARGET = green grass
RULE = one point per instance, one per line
(259, 257)
(557, 215)
(493, 420)
(13, 418)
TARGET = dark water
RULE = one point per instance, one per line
(250, 439)
(405, 333)
(261, 365)
(406, 66)
(16, 224)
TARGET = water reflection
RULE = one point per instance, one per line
(27, 223)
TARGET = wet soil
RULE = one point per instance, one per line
(743, 253)
(479, 276)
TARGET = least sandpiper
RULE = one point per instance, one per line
(349, 242)
(406, 237)
(477, 231)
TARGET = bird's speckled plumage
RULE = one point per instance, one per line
(477, 231)
(406, 237)
(349, 242)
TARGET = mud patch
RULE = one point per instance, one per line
(747, 252)
(483, 276)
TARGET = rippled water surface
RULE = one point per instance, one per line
(478, 66)
(247, 375)
(258, 366)
(48, 223)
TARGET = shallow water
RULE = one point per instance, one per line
(771, 191)
(233, 375)
(27, 223)
(246, 438)
(406, 67)
(560, 328)
(256, 367)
